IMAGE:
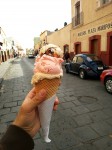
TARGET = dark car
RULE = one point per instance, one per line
(85, 65)
(31, 54)
(106, 79)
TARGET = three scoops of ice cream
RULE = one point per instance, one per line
(47, 75)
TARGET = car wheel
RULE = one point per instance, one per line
(82, 74)
(108, 85)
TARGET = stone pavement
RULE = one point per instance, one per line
(13, 89)
(4, 67)
(83, 120)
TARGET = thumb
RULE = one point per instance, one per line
(38, 98)
(31, 103)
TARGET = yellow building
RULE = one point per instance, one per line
(44, 37)
(61, 38)
(92, 28)
(58, 37)
(3, 44)
(89, 32)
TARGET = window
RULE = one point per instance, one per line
(78, 14)
(79, 60)
(74, 59)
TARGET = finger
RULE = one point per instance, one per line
(38, 98)
(30, 104)
(56, 103)
(55, 107)
(32, 93)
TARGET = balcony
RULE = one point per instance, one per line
(77, 20)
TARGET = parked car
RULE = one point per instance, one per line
(106, 79)
(31, 54)
(85, 65)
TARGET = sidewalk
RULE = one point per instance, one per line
(4, 67)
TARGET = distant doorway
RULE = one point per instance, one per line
(2, 56)
(5, 57)
(109, 47)
(8, 54)
(66, 48)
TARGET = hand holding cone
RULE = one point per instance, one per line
(47, 75)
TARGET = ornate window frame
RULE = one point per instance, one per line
(78, 1)
(77, 20)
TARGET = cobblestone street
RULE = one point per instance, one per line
(83, 120)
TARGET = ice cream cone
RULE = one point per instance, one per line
(50, 85)
(47, 75)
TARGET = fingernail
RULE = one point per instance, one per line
(42, 93)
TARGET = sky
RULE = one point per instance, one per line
(26, 19)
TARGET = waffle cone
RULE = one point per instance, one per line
(50, 85)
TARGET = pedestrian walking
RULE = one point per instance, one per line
(67, 56)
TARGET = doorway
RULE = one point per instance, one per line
(77, 46)
(95, 44)
(66, 48)
(109, 47)
(94, 47)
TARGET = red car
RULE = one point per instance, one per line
(106, 79)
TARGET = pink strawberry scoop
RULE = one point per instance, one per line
(47, 67)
